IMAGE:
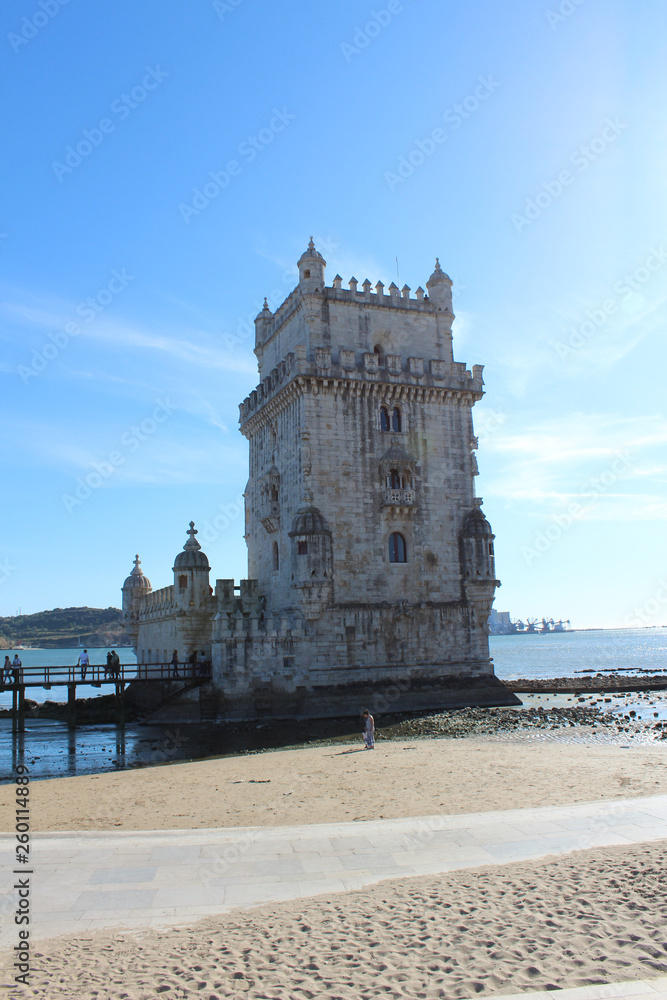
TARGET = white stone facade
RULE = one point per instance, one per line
(371, 565)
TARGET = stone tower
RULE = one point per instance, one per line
(371, 565)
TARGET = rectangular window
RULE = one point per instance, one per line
(302, 548)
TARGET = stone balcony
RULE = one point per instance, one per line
(398, 498)
(269, 515)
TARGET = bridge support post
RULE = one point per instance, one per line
(15, 710)
(120, 704)
(21, 711)
(71, 706)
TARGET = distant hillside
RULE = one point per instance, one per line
(64, 627)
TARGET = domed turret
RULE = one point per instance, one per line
(440, 288)
(136, 587)
(191, 570)
(477, 554)
(262, 322)
(192, 556)
(311, 268)
(136, 581)
(312, 565)
(309, 521)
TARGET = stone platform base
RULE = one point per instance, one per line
(209, 704)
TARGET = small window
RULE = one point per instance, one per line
(306, 274)
(274, 494)
(276, 556)
(397, 551)
(182, 582)
(379, 354)
(384, 418)
(490, 548)
(395, 480)
(396, 422)
(302, 548)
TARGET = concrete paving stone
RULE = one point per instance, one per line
(319, 886)
(318, 863)
(603, 991)
(268, 892)
(280, 866)
(187, 895)
(378, 859)
(351, 843)
(174, 852)
(109, 876)
(118, 899)
(312, 845)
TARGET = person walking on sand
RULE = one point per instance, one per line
(84, 663)
(368, 731)
(174, 663)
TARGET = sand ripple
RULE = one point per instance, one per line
(599, 916)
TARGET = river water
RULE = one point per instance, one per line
(51, 750)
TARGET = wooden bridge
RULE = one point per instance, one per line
(173, 680)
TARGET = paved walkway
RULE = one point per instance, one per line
(83, 881)
(640, 989)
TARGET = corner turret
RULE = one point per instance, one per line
(135, 588)
(440, 289)
(191, 574)
(312, 266)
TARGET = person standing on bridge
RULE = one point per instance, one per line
(115, 665)
(84, 663)
(174, 663)
(7, 678)
(17, 666)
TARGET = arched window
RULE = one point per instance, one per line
(394, 479)
(397, 550)
(276, 556)
(274, 494)
(379, 354)
(384, 419)
(396, 421)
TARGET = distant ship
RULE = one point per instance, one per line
(500, 623)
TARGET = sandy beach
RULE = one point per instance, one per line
(593, 917)
(315, 785)
(590, 917)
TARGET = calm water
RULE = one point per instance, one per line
(567, 654)
(51, 750)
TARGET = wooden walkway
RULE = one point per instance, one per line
(98, 676)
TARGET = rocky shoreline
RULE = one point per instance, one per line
(652, 680)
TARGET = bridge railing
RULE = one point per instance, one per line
(102, 674)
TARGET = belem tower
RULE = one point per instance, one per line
(370, 563)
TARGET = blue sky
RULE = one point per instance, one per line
(521, 143)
